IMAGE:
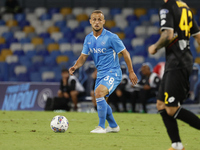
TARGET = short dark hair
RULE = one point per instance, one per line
(65, 70)
(97, 12)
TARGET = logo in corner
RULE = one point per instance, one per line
(103, 43)
(42, 98)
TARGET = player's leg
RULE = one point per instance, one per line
(100, 93)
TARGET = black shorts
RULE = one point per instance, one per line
(174, 87)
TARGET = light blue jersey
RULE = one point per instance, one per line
(104, 50)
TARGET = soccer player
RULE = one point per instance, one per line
(177, 25)
(104, 48)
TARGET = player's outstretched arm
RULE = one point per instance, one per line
(81, 60)
(128, 61)
(165, 37)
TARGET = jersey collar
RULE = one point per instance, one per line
(103, 32)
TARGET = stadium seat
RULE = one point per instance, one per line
(48, 23)
(15, 46)
(138, 59)
(65, 47)
(11, 23)
(43, 53)
(20, 69)
(53, 46)
(48, 75)
(19, 35)
(18, 53)
(30, 53)
(63, 40)
(122, 24)
(40, 47)
(61, 24)
(140, 31)
(31, 16)
(15, 29)
(2, 59)
(35, 77)
(25, 61)
(45, 16)
(109, 24)
(197, 60)
(77, 10)
(28, 47)
(87, 30)
(4, 46)
(40, 11)
(72, 24)
(140, 50)
(7, 16)
(11, 59)
(57, 17)
(53, 11)
(19, 17)
(152, 30)
(48, 41)
(61, 59)
(5, 53)
(3, 29)
(40, 30)
(154, 18)
(24, 40)
(88, 10)
(55, 53)
(115, 11)
(36, 59)
(105, 10)
(2, 40)
(28, 29)
(121, 35)
(65, 11)
(57, 35)
(137, 42)
(53, 29)
(82, 17)
(127, 11)
(7, 35)
(2, 23)
(37, 41)
(50, 61)
(77, 48)
(44, 35)
(140, 11)
(36, 23)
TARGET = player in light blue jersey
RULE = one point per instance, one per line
(104, 48)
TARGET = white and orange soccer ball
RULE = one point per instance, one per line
(59, 124)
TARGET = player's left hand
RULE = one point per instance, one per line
(133, 78)
(152, 49)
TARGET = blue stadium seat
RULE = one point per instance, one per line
(50, 61)
(4, 71)
(55, 54)
(11, 40)
(4, 46)
(134, 24)
(43, 53)
(127, 43)
(152, 11)
(43, 69)
(24, 23)
(7, 35)
(115, 29)
(30, 54)
(140, 50)
(57, 72)
(44, 35)
(48, 41)
(144, 18)
(23, 77)
(53, 10)
(84, 24)
(19, 52)
(152, 39)
(19, 17)
(152, 61)
(24, 60)
(115, 11)
(2, 22)
(35, 77)
(63, 40)
(132, 18)
(25, 40)
(45, 17)
(60, 24)
(65, 30)
(129, 32)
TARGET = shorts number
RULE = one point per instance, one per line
(166, 97)
(111, 79)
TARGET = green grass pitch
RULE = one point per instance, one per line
(30, 130)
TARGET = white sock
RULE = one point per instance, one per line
(177, 145)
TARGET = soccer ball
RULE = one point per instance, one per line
(59, 124)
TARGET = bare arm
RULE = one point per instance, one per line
(81, 60)
(165, 37)
(197, 38)
(128, 61)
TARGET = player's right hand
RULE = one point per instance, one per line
(133, 78)
(71, 70)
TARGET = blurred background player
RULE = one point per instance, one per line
(104, 48)
(146, 88)
(70, 87)
(177, 25)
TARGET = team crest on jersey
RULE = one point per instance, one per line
(89, 42)
(164, 11)
(103, 43)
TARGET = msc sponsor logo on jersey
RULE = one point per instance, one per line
(97, 50)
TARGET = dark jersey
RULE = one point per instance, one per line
(176, 15)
